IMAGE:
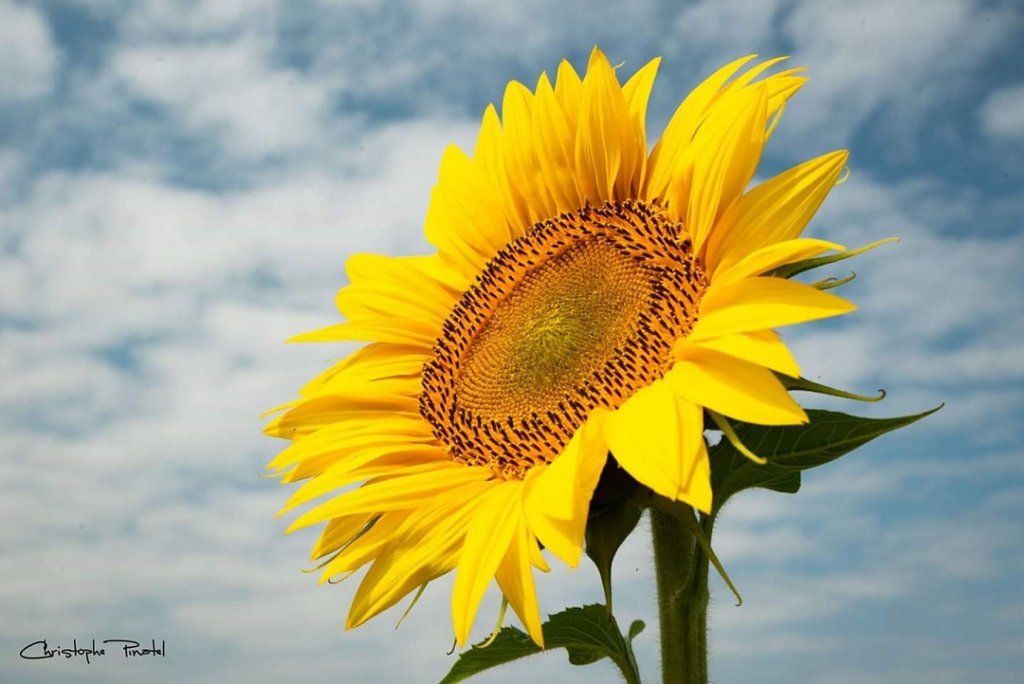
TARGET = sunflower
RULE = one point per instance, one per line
(588, 300)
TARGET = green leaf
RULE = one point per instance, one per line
(635, 628)
(587, 633)
(787, 483)
(606, 530)
(790, 449)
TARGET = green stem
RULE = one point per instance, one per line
(629, 671)
(681, 569)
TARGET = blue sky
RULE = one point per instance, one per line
(181, 182)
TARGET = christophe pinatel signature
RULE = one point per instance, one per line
(127, 649)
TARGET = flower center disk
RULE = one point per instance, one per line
(578, 313)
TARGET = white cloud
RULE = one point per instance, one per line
(28, 61)
(717, 32)
(1002, 114)
(229, 91)
(426, 71)
(865, 54)
(85, 239)
(193, 19)
(854, 559)
(774, 544)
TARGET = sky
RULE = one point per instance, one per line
(181, 183)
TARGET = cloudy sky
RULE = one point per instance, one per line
(181, 182)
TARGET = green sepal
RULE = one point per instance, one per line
(367, 526)
(606, 530)
(684, 513)
(790, 270)
(586, 633)
(805, 385)
(791, 449)
(832, 283)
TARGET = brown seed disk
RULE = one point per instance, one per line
(579, 312)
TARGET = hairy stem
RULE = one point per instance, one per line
(681, 569)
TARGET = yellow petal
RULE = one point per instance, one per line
(359, 389)
(664, 166)
(761, 304)
(346, 436)
(781, 87)
(536, 557)
(521, 157)
(729, 148)
(310, 415)
(361, 303)
(465, 219)
(424, 547)
(592, 456)
(556, 497)
(338, 532)
(489, 158)
(774, 211)
(560, 537)
(637, 91)
(698, 490)
(551, 490)
(601, 154)
(359, 380)
(569, 90)
(392, 576)
(350, 436)
(405, 459)
(385, 458)
(495, 522)
(554, 147)
(656, 438)
(772, 256)
(695, 487)
(515, 578)
(346, 409)
(396, 330)
(366, 548)
(748, 76)
(732, 387)
(399, 275)
(395, 494)
(378, 361)
(383, 586)
(555, 489)
(763, 347)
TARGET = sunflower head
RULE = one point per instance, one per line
(579, 313)
(587, 296)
